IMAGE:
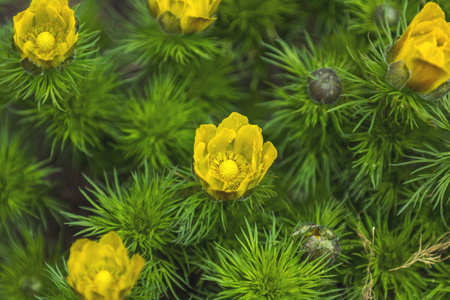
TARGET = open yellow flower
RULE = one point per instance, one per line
(102, 270)
(423, 51)
(45, 33)
(183, 16)
(230, 160)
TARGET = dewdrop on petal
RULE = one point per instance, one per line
(102, 270)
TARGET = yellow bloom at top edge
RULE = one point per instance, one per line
(184, 16)
(425, 48)
(45, 33)
(102, 270)
(231, 159)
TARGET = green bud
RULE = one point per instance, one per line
(386, 13)
(318, 241)
(31, 68)
(31, 286)
(169, 22)
(398, 74)
(324, 86)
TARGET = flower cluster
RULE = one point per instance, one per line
(230, 160)
(102, 270)
(45, 34)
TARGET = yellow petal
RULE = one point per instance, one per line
(68, 17)
(248, 140)
(112, 239)
(136, 264)
(425, 77)
(234, 121)
(27, 22)
(213, 7)
(205, 133)
(195, 24)
(222, 141)
(429, 12)
(155, 9)
(269, 154)
(41, 14)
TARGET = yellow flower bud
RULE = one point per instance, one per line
(230, 160)
(102, 270)
(183, 16)
(424, 49)
(45, 34)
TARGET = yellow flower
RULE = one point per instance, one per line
(45, 33)
(424, 48)
(230, 160)
(183, 16)
(102, 270)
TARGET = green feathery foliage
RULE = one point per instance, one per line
(268, 269)
(53, 84)
(24, 181)
(433, 177)
(141, 41)
(22, 257)
(60, 290)
(158, 126)
(246, 24)
(84, 120)
(379, 250)
(368, 16)
(300, 126)
(199, 215)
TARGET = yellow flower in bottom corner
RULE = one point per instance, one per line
(230, 160)
(183, 16)
(102, 270)
(45, 34)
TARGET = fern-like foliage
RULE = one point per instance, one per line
(271, 268)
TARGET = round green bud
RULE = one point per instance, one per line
(318, 241)
(324, 86)
(383, 13)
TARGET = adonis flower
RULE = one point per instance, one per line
(420, 59)
(102, 270)
(45, 34)
(230, 160)
(183, 16)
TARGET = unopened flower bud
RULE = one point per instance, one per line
(385, 13)
(324, 86)
(318, 241)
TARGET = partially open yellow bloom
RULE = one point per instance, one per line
(102, 270)
(230, 160)
(425, 49)
(45, 33)
(183, 16)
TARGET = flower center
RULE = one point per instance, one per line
(230, 167)
(103, 279)
(45, 41)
